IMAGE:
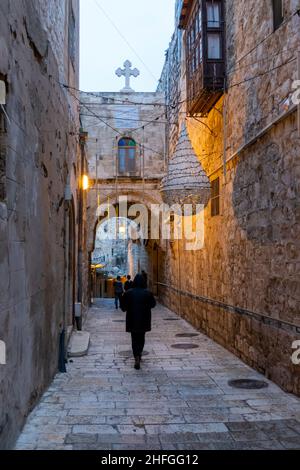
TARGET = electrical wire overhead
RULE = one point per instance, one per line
(112, 100)
(124, 39)
(287, 20)
(262, 74)
(121, 134)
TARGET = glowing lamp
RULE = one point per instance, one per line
(85, 182)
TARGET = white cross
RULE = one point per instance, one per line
(127, 72)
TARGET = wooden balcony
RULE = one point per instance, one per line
(204, 23)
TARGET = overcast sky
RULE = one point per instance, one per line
(147, 26)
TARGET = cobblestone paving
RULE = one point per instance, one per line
(179, 400)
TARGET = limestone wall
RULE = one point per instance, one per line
(251, 256)
(40, 156)
(109, 116)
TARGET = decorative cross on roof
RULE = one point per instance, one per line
(127, 72)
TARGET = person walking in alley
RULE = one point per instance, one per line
(145, 277)
(118, 286)
(128, 284)
(138, 302)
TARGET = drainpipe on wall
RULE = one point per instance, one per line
(78, 306)
(63, 340)
(78, 313)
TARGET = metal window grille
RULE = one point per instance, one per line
(278, 15)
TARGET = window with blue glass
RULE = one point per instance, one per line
(127, 156)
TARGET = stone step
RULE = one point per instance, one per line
(79, 344)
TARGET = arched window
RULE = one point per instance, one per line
(127, 156)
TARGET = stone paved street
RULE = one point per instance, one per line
(179, 400)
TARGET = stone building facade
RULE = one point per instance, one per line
(243, 287)
(110, 119)
(40, 164)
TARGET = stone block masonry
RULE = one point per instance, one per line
(251, 256)
(37, 158)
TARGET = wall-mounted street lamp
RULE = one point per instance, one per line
(85, 182)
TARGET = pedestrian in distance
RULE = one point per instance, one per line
(118, 287)
(145, 277)
(128, 284)
(137, 303)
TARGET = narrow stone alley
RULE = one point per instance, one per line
(181, 399)
(150, 149)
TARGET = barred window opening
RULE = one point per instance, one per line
(72, 36)
(278, 15)
(215, 197)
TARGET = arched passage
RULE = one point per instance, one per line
(123, 245)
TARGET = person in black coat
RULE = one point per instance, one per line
(138, 302)
(145, 277)
(128, 284)
(118, 287)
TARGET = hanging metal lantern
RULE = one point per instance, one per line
(186, 182)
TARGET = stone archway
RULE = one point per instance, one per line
(111, 197)
(145, 251)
